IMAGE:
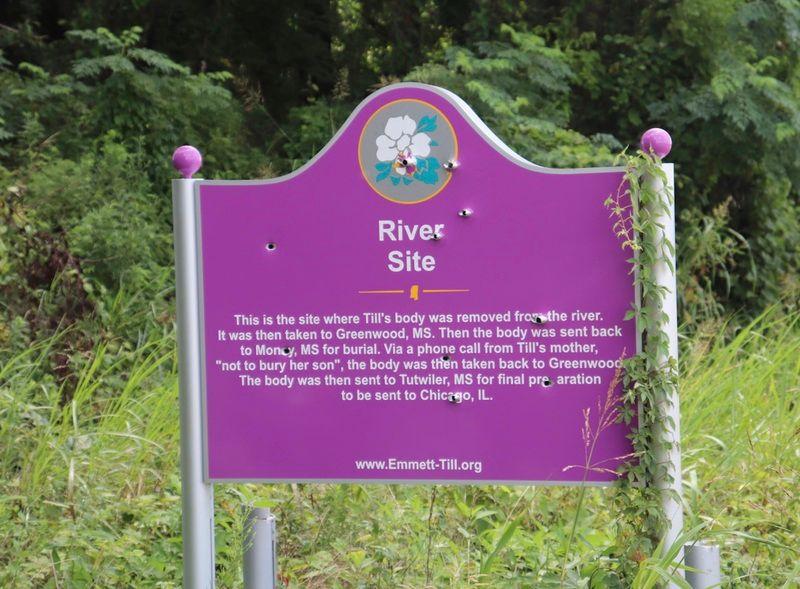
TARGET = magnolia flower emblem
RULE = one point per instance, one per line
(403, 151)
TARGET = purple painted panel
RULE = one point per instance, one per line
(377, 316)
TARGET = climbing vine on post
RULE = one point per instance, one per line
(649, 380)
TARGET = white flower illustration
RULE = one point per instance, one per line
(400, 142)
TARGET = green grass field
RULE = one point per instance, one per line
(90, 490)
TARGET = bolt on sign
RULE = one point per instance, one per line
(416, 303)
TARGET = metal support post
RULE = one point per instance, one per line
(705, 558)
(659, 142)
(197, 494)
(260, 543)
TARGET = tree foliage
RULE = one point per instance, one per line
(84, 209)
(564, 83)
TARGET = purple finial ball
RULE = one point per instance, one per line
(657, 141)
(187, 160)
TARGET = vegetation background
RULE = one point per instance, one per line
(94, 96)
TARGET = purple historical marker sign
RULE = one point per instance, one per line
(417, 303)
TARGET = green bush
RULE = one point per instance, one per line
(521, 88)
(86, 148)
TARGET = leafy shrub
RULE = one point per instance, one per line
(87, 147)
(520, 86)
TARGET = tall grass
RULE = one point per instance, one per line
(741, 419)
(90, 492)
(85, 466)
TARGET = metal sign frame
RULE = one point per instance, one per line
(197, 489)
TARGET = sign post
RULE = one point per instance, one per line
(417, 303)
(197, 493)
(659, 142)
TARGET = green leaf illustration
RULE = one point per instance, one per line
(384, 169)
(427, 124)
(428, 170)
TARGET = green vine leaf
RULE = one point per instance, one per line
(635, 209)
